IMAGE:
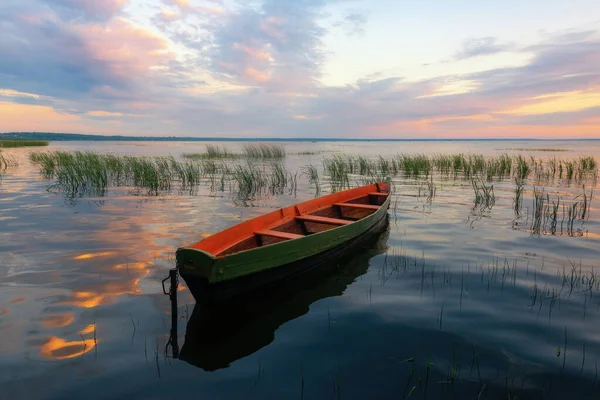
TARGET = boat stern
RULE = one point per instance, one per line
(194, 263)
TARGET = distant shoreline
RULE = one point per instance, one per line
(63, 137)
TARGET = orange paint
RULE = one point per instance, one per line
(228, 237)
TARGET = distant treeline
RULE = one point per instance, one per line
(50, 136)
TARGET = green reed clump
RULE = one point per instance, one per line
(415, 164)
(484, 194)
(587, 163)
(338, 168)
(249, 179)
(79, 173)
(212, 151)
(365, 166)
(264, 151)
(522, 169)
(278, 180)
(313, 177)
(22, 143)
(546, 213)
(7, 161)
(463, 166)
(518, 201)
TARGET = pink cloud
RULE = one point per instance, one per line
(128, 51)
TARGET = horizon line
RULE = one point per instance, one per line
(321, 139)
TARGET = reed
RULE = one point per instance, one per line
(461, 166)
(522, 167)
(7, 161)
(22, 143)
(338, 168)
(263, 151)
(212, 151)
(518, 201)
(484, 194)
(415, 165)
(311, 172)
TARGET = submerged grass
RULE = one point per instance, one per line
(461, 166)
(313, 177)
(212, 151)
(6, 161)
(546, 213)
(264, 151)
(338, 169)
(484, 194)
(89, 173)
(22, 143)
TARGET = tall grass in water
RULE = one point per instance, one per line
(338, 169)
(484, 194)
(546, 213)
(522, 167)
(462, 166)
(212, 151)
(6, 161)
(518, 201)
(263, 151)
(88, 173)
(22, 143)
(415, 165)
(252, 181)
(312, 173)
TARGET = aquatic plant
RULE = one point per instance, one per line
(461, 166)
(7, 161)
(484, 194)
(22, 143)
(338, 168)
(312, 173)
(263, 151)
(89, 173)
(518, 200)
(212, 151)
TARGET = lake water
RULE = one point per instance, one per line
(451, 300)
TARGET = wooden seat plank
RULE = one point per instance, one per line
(356, 205)
(277, 234)
(323, 220)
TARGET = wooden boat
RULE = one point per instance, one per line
(280, 245)
(240, 328)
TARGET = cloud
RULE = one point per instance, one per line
(277, 46)
(255, 71)
(186, 7)
(475, 47)
(353, 23)
(45, 54)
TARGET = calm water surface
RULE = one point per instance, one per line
(449, 301)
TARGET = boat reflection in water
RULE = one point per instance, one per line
(219, 335)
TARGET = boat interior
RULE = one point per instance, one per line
(295, 222)
(337, 214)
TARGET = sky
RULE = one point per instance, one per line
(302, 68)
